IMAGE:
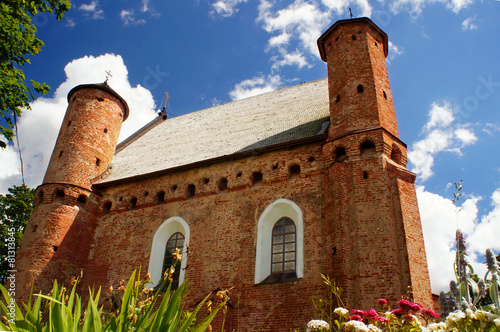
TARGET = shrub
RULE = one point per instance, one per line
(135, 310)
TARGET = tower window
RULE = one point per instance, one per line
(97, 161)
(176, 241)
(337, 100)
(223, 184)
(60, 154)
(340, 153)
(385, 95)
(367, 148)
(105, 130)
(59, 194)
(133, 203)
(354, 37)
(160, 197)
(82, 199)
(256, 178)
(190, 191)
(106, 207)
(293, 171)
(283, 246)
(360, 88)
(100, 99)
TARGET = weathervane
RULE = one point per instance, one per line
(108, 72)
(350, 12)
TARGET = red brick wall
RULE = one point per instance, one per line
(223, 233)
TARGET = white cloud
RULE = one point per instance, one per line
(415, 7)
(255, 86)
(145, 5)
(469, 23)
(92, 9)
(70, 23)
(440, 134)
(439, 224)
(302, 19)
(128, 18)
(290, 59)
(226, 8)
(39, 127)
(491, 128)
(394, 51)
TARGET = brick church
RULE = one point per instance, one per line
(268, 192)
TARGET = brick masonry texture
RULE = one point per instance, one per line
(358, 201)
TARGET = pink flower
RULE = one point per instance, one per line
(398, 312)
(429, 313)
(409, 306)
(371, 313)
(358, 312)
(355, 317)
(382, 301)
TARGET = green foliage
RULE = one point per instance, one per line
(135, 311)
(17, 33)
(325, 307)
(15, 210)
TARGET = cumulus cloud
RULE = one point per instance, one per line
(440, 134)
(226, 8)
(469, 23)
(302, 20)
(255, 86)
(440, 222)
(38, 128)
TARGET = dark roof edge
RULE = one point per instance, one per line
(347, 21)
(237, 155)
(104, 87)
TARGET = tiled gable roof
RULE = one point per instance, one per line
(262, 121)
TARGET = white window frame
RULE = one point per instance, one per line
(276, 210)
(165, 231)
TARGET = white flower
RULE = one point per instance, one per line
(356, 326)
(497, 321)
(435, 327)
(455, 317)
(318, 325)
(341, 311)
(373, 328)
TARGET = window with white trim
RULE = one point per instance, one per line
(280, 243)
(162, 246)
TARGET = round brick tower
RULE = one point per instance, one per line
(65, 209)
(375, 234)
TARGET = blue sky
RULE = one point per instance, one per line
(443, 68)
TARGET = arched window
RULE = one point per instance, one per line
(284, 246)
(161, 244)
(281, 221)
(176, 241)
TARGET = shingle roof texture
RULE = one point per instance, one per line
(276, 117)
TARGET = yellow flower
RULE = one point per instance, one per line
(177, 254)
